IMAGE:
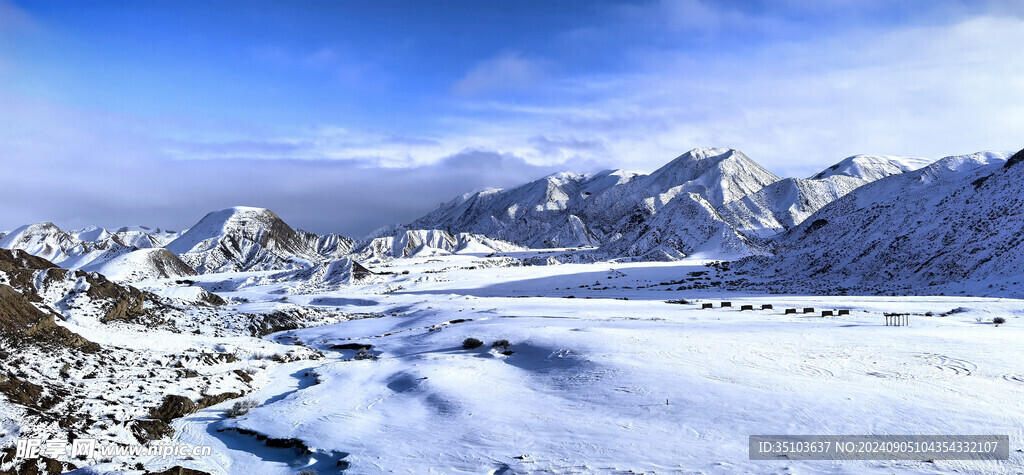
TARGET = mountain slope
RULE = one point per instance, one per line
(541, 213)
(570, 210)
(785, 203)
(243, 239)
(427, 242)
(142, 264)
(88, 248)
(44, 240)
(873, 167)
(956, 224)
(688, 225)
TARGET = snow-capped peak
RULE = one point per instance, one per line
(873, 167)
(243, 238)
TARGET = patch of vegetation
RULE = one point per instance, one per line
(241, 408)
(953, 312)
(678, 301)
(501, 344)
(364, 354)
(999, 320)
(471, 343)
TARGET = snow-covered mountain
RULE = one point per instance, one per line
(675, 211)
(708, 201)
(873, 167)
(328, 246)
(49, 242)
(322, 276)
(44, 240)
(427, 242)
(244, 239)
(955, 223)
(785, 203)
(542, 213)
(234, 239)
(88, 248)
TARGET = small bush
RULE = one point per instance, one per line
(241, 408)
(279, 358)
(999, 320)
(363, 354)
(679, 301)
(471, 343)
(501, 344)
(308, 471)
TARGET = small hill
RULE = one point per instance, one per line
(143, 264)
(243, 239)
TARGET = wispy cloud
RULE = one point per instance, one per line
(14, 18)
(78, 167)
(508, 71)
(930, 90)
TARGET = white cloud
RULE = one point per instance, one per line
(508, 71)
(925, 91)
(78, 167)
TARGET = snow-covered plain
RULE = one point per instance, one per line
(610, 380)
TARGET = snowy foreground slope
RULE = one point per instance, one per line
(602, 375)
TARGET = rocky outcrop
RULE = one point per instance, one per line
(146, 430)
(22, 322)
(173, 407)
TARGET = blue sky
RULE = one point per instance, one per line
(345, 116)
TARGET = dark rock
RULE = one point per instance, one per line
(21, 322)
(146, 430)
(173, 407)
(212, 400)
(19, 391)
(243, 376)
